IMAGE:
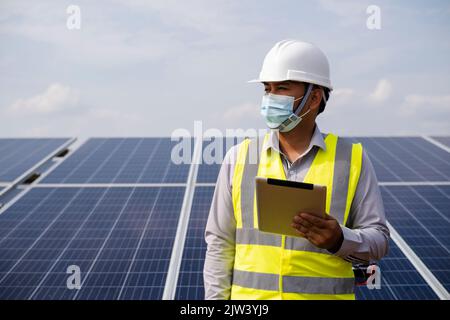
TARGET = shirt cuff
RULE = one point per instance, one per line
(349, 244)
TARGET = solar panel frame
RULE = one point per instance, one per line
(445, 140)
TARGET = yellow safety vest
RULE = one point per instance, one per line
(269, 266)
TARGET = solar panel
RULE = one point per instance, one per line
(19, 155)
(208, 173)
(120, 238)
(121, 160)
(190, 280)
(399, 280)
(444, 140)
(8, 196)
(421, 215)
(407, 159)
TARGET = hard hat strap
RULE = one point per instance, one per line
(294, 117)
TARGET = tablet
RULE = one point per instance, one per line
(278, 201)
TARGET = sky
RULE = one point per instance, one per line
(148, 68)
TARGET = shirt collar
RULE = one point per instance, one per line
(317, 139)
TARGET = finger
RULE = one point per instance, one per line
(310, 226)
(318, 222)
(298, 229)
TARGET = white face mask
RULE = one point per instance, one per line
(278, 110)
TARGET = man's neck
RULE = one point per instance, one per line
(295, 142)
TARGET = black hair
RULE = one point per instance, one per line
(323, 103)
(326, 91)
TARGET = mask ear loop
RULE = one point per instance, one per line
(305, 99)
(294, 116)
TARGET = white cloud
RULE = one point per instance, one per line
(342, 95)
(350, 12)
(436, 105)
(55, 98)
(382, 91)
(113, 115)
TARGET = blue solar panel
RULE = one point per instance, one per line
(207, 173)
(9, 195)
(19, 155)
(421, 215)
(121, 160)
(121, 238)
(190, 281)
(399, 280)
(444, 140)
(407, 159)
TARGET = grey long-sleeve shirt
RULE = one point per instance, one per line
(365, 237)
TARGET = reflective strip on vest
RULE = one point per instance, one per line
(248, 185)
(340, 180)
(291, 284)
(256, 237)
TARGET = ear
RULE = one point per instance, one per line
(315, 99)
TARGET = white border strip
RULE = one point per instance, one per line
(205, 184)
(428, 276)
(415, 183)
(170, 287)
(37, 165)
(103, 185)
(436, 143)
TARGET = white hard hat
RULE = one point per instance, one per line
(297, 61)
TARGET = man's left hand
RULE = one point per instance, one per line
(325, 233)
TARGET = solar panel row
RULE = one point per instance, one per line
(121, 160)
(122, 237)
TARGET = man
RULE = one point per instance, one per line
(245, 263)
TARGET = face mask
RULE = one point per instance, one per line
(278, 111)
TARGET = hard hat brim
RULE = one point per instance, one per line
(298, 80)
